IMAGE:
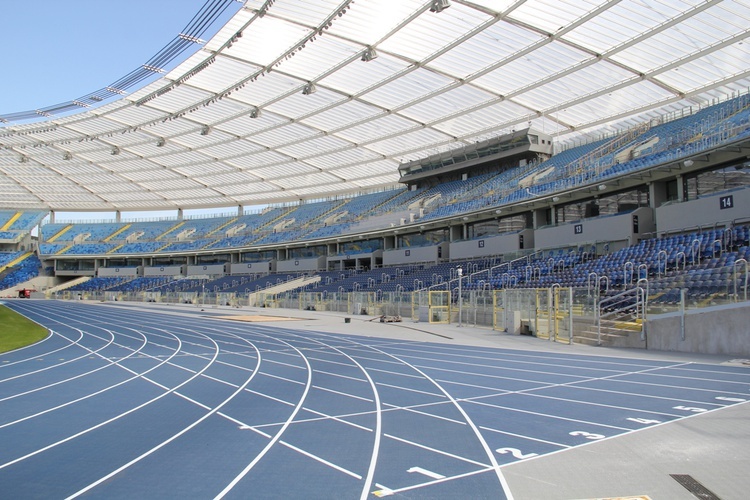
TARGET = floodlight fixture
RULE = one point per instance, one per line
(67, 156)
(369, 55)
(205, 130)
(255, 112)
(115, 151)
(439, 5)
(309, 89)
(160, 142)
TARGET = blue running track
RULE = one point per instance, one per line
(128, 403)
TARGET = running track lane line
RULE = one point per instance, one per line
(70, 344)
(85, 348)
(324, 345)
(493, 460)
(488, 451)
(183, 431)
(48, 353)
(277, 436)
(101, 424)
(92, 394)
(378, 417)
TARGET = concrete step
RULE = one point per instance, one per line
(610, 334)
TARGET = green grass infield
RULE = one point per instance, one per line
(17, 331)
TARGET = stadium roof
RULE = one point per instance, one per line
(306, 99)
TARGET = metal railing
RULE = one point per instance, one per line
(631, 304)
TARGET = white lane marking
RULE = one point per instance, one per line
(378, 430)
(498, 431)
(517, 357)
(174, 436)
(435, 450)
(496, 368)
(340, 363)
(469, 421)
(101, 424)
(378, 414)
(325, 389)
(108, 365)
(52, 333)
(321, 460)
(445, 479)
(276, 437)
(665, 386)
(408, 389)
(383, 491)
(191, 400)
(530, 391)
(278, 377)
(245, 427)
(339, 375)
(591, 403)
(556, 417)
(272, 398)
(635, 394)
(389, 372)
(337, 419)
(516, 453)
(288, 365)
(496, 390)
(135, 376)
(425, 472)
(73, 343)
(426, 414)
(733, 400)
(369, 351)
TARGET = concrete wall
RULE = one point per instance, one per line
(607, 228)
(704, 211)
(203, 269)
(75, 272)
(336, 260)
(117, 271)
(162, 271)
(492, 245)
(250, 267)
(301, 265)
(712, 330)
(414, 255)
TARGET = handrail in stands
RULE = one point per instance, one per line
(738, 263)
(623, 302)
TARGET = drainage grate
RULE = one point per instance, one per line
(694, 487)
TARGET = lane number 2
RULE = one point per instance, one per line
(515, 452)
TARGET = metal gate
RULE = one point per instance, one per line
(499, 319)
(439, 307)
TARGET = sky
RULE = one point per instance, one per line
(58, 50)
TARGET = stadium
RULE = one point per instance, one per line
(421, 249)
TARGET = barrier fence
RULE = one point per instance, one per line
(556, 313)
(545, 312)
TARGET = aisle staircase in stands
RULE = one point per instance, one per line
(10, 222)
